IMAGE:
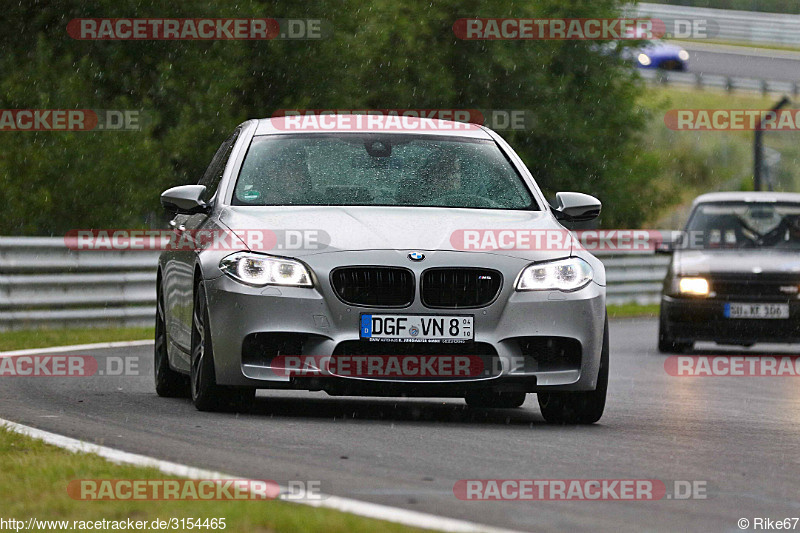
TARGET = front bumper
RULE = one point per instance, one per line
(237, 311)
(692, 319)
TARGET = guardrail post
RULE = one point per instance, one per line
(758, 145)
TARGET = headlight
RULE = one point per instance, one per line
(693, 286)
(644, 59)
(684, 55)
(563, 275)
(261, 270)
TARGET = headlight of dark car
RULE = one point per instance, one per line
(690, 286)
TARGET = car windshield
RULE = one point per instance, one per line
(379, 170)
(737, 225)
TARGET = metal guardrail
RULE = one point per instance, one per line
(728, 83)
(44, 284)
(634, 277)
(739, 26)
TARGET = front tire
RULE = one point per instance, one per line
(579, 407)
(206, 394)
(666, 344)
(169, 383)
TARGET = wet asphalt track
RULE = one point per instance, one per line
(743, 62)
(739, 435)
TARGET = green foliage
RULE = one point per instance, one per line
(382, 54)
(689, 163)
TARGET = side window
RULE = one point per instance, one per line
(213, 174)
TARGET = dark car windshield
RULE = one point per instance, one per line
(737, 225)
(380, 170)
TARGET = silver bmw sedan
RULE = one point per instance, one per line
(420, 260)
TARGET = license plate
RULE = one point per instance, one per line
(417, 328)
(770, 311)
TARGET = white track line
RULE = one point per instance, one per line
(79, 347)
(365, 509)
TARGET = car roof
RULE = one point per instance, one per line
(422, 126)
(747, 196)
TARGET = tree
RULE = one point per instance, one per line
(381, 54)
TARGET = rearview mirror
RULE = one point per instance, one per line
(186, 199)
(576, 207)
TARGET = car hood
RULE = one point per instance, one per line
(696, 262)
(391, 228)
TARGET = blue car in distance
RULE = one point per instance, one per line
(650, 54)
(660, 55)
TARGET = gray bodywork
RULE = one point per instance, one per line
(367, 235)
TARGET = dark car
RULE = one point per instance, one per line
(734, 277)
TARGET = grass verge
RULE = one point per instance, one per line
(35, 478)
(42, 338)
(690, 163)
(633, 311)
(741, 44)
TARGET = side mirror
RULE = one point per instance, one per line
(186, 199)
(576, 207)
(664, 248)
(670, 242)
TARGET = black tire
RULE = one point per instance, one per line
(206, 394)
(667, 344)
(579, 407)
(494, 400)
(169, 383)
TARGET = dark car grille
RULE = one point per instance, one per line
(489, 365)
(261, 348)
(547, 354)
(756, 287)
(374, 286)
(413, 348)
(460, 287)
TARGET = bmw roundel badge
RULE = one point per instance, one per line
(416, 256)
